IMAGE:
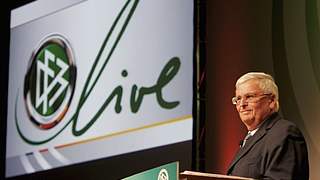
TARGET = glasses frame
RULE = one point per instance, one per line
(249, 98)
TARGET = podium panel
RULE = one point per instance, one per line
(165, 172)
(192, 175)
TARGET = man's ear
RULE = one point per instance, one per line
(272, 104)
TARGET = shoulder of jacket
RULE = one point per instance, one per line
(282, 130)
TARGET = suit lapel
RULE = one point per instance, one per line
(249, 144)
(263, 130)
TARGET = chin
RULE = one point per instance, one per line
(247, 120)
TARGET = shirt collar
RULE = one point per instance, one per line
(253, 131)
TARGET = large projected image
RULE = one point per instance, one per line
(91, 79)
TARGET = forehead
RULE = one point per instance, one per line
(250, 86)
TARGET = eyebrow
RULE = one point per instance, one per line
(250, 93)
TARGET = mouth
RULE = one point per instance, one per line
(245, 111)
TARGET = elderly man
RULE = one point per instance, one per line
(274, 148)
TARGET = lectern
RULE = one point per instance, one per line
(192, 175)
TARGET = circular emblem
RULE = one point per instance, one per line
(49, 82)
(163, 175)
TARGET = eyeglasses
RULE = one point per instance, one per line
(249, 98)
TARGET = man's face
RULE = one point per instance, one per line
(254, 105)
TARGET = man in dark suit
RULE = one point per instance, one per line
(274, 148)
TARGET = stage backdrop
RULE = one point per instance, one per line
(278, 37)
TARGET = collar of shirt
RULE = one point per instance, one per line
(253, 131)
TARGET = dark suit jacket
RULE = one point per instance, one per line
(276, 151)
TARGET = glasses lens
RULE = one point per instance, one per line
(234, 100)
(250, 98)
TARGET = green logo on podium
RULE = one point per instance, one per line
(165, 172)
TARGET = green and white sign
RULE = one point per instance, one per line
(115, 75)
(166, 172)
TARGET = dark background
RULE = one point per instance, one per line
(278, 37)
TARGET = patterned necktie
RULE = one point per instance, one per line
(246, 138)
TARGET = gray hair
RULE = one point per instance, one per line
(265, 82)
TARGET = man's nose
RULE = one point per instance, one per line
(243, 102)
